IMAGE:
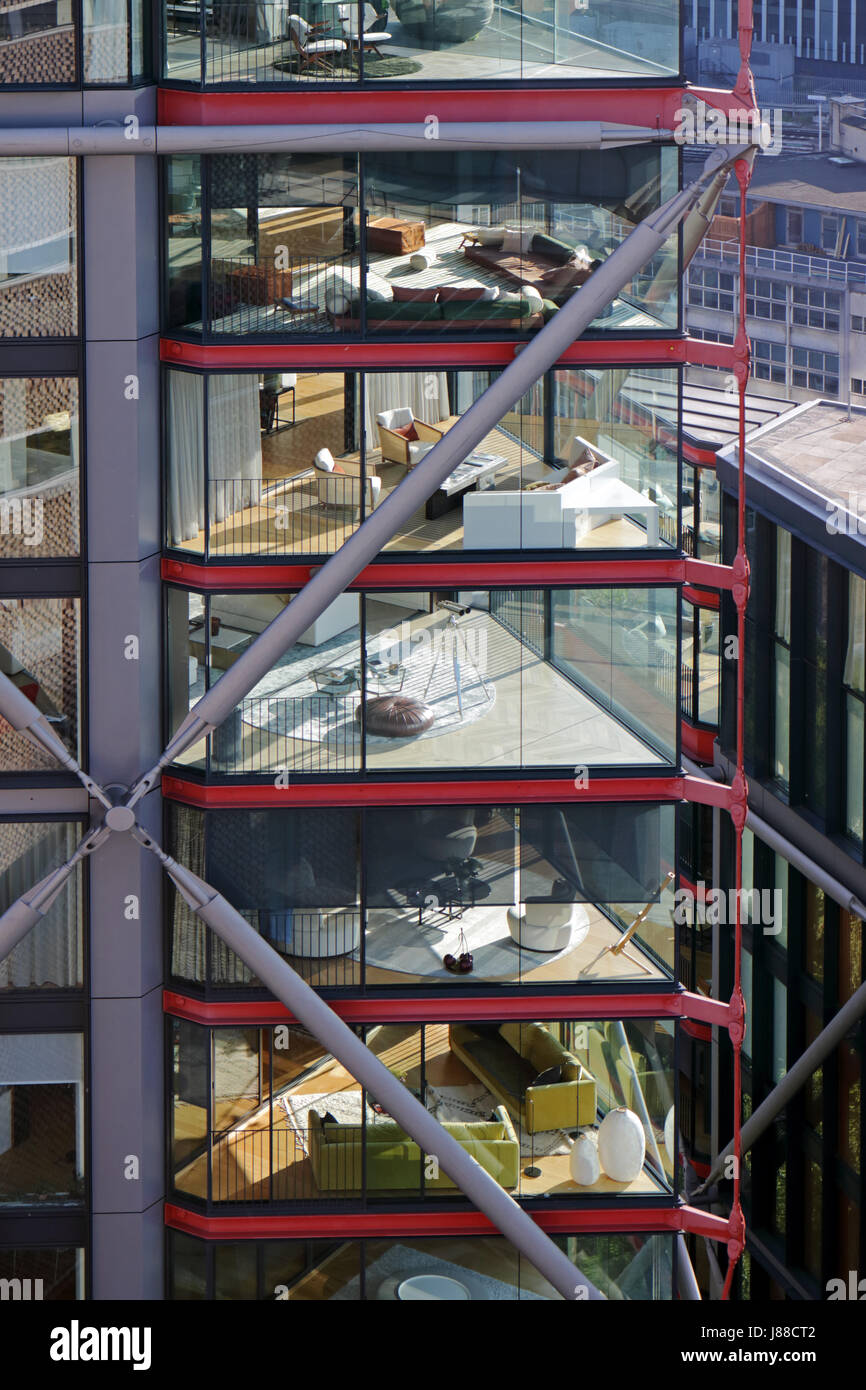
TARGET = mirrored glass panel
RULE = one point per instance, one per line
(38, 243)
(328, 42)
(39, 478)
(580, 1109)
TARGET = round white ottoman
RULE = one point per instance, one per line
(314, 934)
(548, 926)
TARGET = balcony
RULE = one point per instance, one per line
(237, 44)
(308, 1133)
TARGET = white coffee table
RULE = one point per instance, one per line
(477, 471)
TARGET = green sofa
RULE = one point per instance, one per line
(394, 1160)
(510, 1059)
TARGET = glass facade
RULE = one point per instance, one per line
(50, 957)
(290, 463)
(39, 652)
(215, 44)
(38, 245)
(537, 894)
(41, 1119)
(267, 1115)
(507, 678)
(623, 1266)
(39, 473)
(437, 245)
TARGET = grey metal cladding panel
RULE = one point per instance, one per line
(121, 246)
(124, 688)
(127, 1079)
(123, 450)
(23, 109)
(127, 1260)
(125, 935)
(118, 103)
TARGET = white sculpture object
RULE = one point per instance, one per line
(671, 1137)
(621, 1145)
(583, 1163)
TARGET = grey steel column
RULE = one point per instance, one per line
(123, 672)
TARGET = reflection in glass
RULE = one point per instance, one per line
(39, 652)
(38, 252)
(41, 1119)
(342, 43)
(515, 1094)
(50, 955)
(39, 495)
(37, 44)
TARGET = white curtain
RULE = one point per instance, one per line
(234, 444)
(855, 676)
(426, 394)
(235, 450)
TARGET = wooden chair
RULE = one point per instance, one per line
(313, 52)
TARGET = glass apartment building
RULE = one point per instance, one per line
(455, 806)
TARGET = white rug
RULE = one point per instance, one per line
(401, 1262)
(402, 945)
(286, 702)
(474, 1102)
(345, 1106)
(455, 1103)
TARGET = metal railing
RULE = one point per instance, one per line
(304, 733)
(778, 262)
(310, 514)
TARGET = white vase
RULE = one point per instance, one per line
(671, 1137)
(621, 1145)
(583, 1163)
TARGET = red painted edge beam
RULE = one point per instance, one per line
(703, 1223)
(701, 1032)
(705, 792)
(703, 598)
(703, 573)
(635, 105)
(698, 743)
(263, 1013)
(517, 790)
(704, 354)
(348, 355)
(370, 1225)
(217, 578)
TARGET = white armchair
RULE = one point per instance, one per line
(338, 491)
(403, 438)
(349, 17)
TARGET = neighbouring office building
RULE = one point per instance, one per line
(449, 804)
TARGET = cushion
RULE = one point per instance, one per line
(414, 309)
(325, 462)
(400, 415)
(531, 293)
(449, 294)
(378, 290)
(517, 239)
(514, 1034)
(397, 716)
(500, 308)
(489, 236)
(405, 294)
(550, 246)
(419, 260)
(406, 431)
(551, 1077)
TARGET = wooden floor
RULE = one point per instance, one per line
(244, 1160)
(290, 520)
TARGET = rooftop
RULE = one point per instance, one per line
(802, 180)
(823, 445)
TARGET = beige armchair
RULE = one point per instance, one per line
(337, 490)
(403, 438)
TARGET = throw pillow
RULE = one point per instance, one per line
(449, 293)
(551, 1077)
(407, 431)
(405, 294)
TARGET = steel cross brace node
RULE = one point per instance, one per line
(645, 241)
